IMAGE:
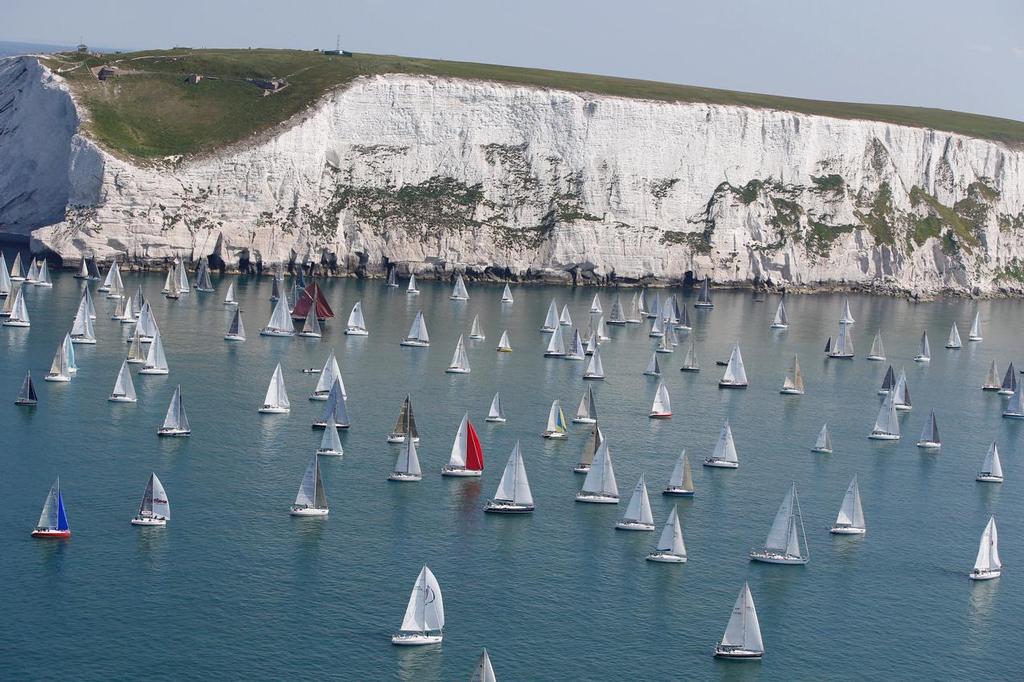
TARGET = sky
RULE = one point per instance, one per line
(950, 54)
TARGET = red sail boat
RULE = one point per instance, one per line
(467, 456)
(311, 293)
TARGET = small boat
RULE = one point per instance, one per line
(601, 330)
(1015, 407)
(424, 615)
(680, 483)
(156, 360)
(33, 272)
(551, 319)
(115, 288)
(176, 421)
(842, 349)
(136, 355)
(311, 370)
(595, 304)
(781, 320)
(124, 388)
(847, 316)
(735, 374)
(147, 325)
(311, 325)
(506, 295)
(616, 315)
(504, 345)
(987, 565)
(170, 289)
(280, 323)
(407, 465)
(850, 520)
(123, 311)
(595, 368)
(662, 406)
(330, 442)
(684, 323)
(653, 367)
(575, 351)
(90, 306)
(406, 423)
(638, 514)
(18, 315)
(311, 500)
(657, 328)
(236, 330)
(724, 455)
(742, 638)
(203, 283)
(665, 343)
(325, 381)
(887, 425)
(953, 340)
(690, 363)
(276, 400)
(460, 361)
(888, 382)
(992, 382)
(556, 427)
(973, 335)
(155, 510)
(229, 298)
(411, 288)
(335, 408)
(599, 486)
(476, 333)
(925, 354)
(901, 392)
(467, 457)
(392, 277)
(513, 495)
(43, 277)
(930, 434)
(27, 395)
(824, 443)
(53, 521)
(69, 350)
(704, 297)
(556, 345)
(483, 672)
(565, 319)
(586, 413)
(59, 369)
(82, 330)
(877, 352)
(1009, 383)
(991, 468)
(356, 325)
(495, 413)
(16, 274)
(459, 292)
(793, 384)
(786, 542)
(181, 278)
(590, 448)
(592, 344)
(417, 336)
(83, 271)
(635, 309)
(670, 548)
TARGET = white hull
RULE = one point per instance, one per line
(404, 478)
(883, 436)
(320, 395)
(270, 409)
(633, 525)
(477, 337)
(583, 420)
(309, 335)
(677, 492)
(1003, 391)
(581, 468)
(730, 384)
(738, 654)
(988, 478)
(847, 530)
(496, 507)
(721, 464)
(660, 415)
(841, 356)
(780, 326)
(121, 399)
(308, 511)
(666, 558)
(921, 358)
(323, 425)
(149, 521)
(822, 451)
(456, 370)
(772, 558)
(876, 358)
(928, 445)
(495, 420)
(355, 331)
(58, 378)
(400, 438)
(956, 347)
(461, 472)
(415, 639)
(412, 343)
(791, 391)
(985, 575)
(593, 377)
(152, 370)
(79, 340)
(663, 350)
(275, 332)
(329, 453)
(136, 362)
(969, 338)
(904, 408)
(554, 435)
(554, 355)
(1014, 415)
(15, 323)
(597, 498)
(233, 337)
(174, 432)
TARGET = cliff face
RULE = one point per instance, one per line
(438, 175)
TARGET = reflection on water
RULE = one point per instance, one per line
(419, 663)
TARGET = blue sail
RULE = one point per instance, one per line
(62, 517)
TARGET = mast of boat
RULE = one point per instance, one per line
(742, 638)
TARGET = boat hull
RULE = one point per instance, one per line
(400, 438)
(271, 409)
(456, 370)
(634, 525)
(729, 384)
(149, 521)
(921, 358)
(822, 451)
(772, 558)
(16, 323)
(233, 337)
(677, 492)
(495, 507)
(330, 453)
(876, 358)
(57, 378)
(928, 445)
(583, 420)
(847, 530)
(791, 391)
(308, 511)
(80, 340)
(275, 332)
(477, 337)
(737, 654)
(460, 472)
(593, 377)
(721, 464)
(353, 331)
(554, 435)
(415, 639)
(593, 498)
(323, 425)
(26, 403)
(985, 575)
(581, 468)
(689, 369)
(409, 343)
(121, 399)
(310, 335)
(399, 477)
(988, 478)
(495, 420)
(660, 415)
(780, 326)
(153, 370)
(48, 534)
(174, 432)
(666, 558)
(883, 436)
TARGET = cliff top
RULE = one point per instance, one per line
(148, 107)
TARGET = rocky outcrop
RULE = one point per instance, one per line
(498, 180)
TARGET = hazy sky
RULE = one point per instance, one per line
(966, 55)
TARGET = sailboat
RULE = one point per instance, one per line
(407, 465)
(124, 387)
(229, 298)
(657, 328)
(147, 325)
(33, 272)
(83, 271)
(704, 297)
(280, 323)
(356, 325)
(781, 320)
(311, 325)
(504, 345)
(483, 672)
(794, 381)
(181, 278)
(953, 340)
(847, 316)
(850, 520)
(43, 276)
(513, 495)
(5, 278)
(276, 400)
(670, 548)
(108, 281)
(476, 333)
(418, 336)
(742, 638)
(1015, 407)
(842, 349)
(1009, 383)
(991, 468)
(877, 351)
(595, 368)
(586, 413)
(69, 350)
(116, 289)
(901, 392)
(236, 330)
(599, 486)
(137, 303)
(653, 367)
(666, 342)
(556, 345)
(311, 500)
(576, 351)
(16, 274)
(53, 521)
(786, 542)
(556, 427)
(992, 382)
(424, 615)
(495, 413)
(616, 315)
(393, 277)
(565, 319)
(459, 292)
(176, 421)
(662, 406)
(506, 295)
(155, 510)
(735, 374)
(590, 448)
(18, 316)
(638, 514)
(460, 362)
(27, 395)
(690, 363)
(635, 309)
(467, 457)
(925, 354)
(987, 565)
(325, 381)
(170, 289)
(888, 382)
(680, 483)
(824, 443)
(887, 425)
(136, 355)
(123, 311)
(724, 455)
(930, 434)
(973, 335)
(411, 287)
(330, 442)
(551, 319)
(59, 368)
(406, 423)
(591, 345)
(156, 361)
(335, 408)
(203, 283)
(82, 330)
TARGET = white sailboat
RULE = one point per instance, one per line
(170, 288)
(724, 455)
(59, 370)
(280, 323)
(742, 638)
(236, 330)
(953, 340)
(595, 368)
(495, 413)
(147, 325)
(460, 361)
(175, 421)
(847, 316)
(987, 565)
(203, 283)
(229, 298)
(690, 363)
(665, 343)
(459, 292)
(565, 319)
(476, 332)
(635, 310)
(467, 455)
(590, 448)
(975, 333)
(16, 269)
(335, 408)
(181, 278)
(5, 278)
(877, 352)
(407, 464)
(1009, 383)
(405, 425)
(901, 392)
(991, 469)
(925, 354)
(356, 325)
(417, 336)
(616, 315)
(657, 328)
(330, 442)
(325, 381)
(599, 486)
(392, 277)
(136, 355)
(124, 387)
(18, 316)
(90, 306)
(601, 330)
(43, 276)
(887, 425)
(504, 345)
(311, 500)
(276, 400)
(123, 311)
(793, 384)
(483, 672)
(992, 382)
(930, 434)
(513, 495)
(506, 295)
(680, 483)
(424, 615)
(156, 360)
(824, 442)
(551, 319)
(595, 304)
(82, 330)
(108, 281)
(556, 426)
(850, 520)
(591, 345)
(556, 345)
(670, 548)
(781, 320)
(638, 514)
(575, 351)
(586, 413)
(704, 297)
(69, 350)
(735, 373)
(411, 288)
(662, 406)
(653, 368)
(786, 542)
(311, 325)
(1015, 406)
(155, 509)
(842, 349)
(33, 272)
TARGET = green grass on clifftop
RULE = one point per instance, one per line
(150, 111)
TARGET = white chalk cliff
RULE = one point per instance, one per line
(494, 179)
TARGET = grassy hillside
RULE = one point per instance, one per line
(150, 111)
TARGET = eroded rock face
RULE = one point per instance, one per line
(497, 180)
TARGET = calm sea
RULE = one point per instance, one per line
(234, 587)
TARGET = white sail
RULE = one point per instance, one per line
(616, 315)
(229, 298)
(330, 442)
(988, 549)
(311, 493)
(108, 281)
(794, 381)
(556, 344)
(576, 351)
(506, 295)
(725, 448)
(551, 320)
(425, 610)
(147, 325)
(460, 361)
(311, 325)
(671, 540)
(851, 513)
(483, 672)
(460, 444)
(82, 328)
(690, 361)
(926, 350)
(992, 466)
(411, 287)
(277, 395)
(556, 420)
(355, 318)
(639, 508)
(176, 417)
(653, 367)
(595, 368)
(992, 378)
(496, 413)
(953, 340)
(124, 387)
(975, 333)
(156, 361)
(459, 292)
(19, 311)
(681, 476)
(662, 403)
(783, 537)
(843, 347)
(847, 316)
(824, 441)
(475, 330)
(930, 432)
(181, 278)
(901, 391)
(328, 374)
(335, 407)
(587, 409)
(735, 372)
(503, 343)
(418, 329)
(5, 277)
(281, 320)
(600, 479)
(154, 501)
(514, 486)
(408, 462)
(743, 631)
(48, 517)
(59, 370)
(887, 423)
(877, 351)
(781, 318)
(565, 319)
(1015, 406)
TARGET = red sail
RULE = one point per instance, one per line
(309, 294)
(474, 453)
